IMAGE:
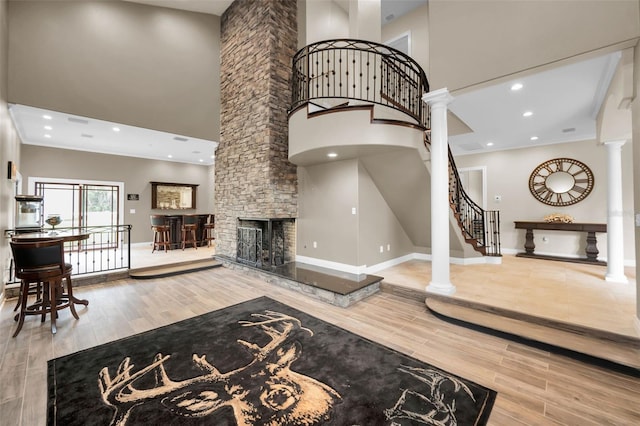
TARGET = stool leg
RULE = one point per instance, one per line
(53, 303)
(167, 241)
(23, 305)
(193, 239)
(155, 240)
(72, 304)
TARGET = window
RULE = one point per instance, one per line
(81, 203)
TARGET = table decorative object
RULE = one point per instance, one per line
(53, 220)
(558, 218)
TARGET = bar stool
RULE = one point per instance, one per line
(189, 229)
(207, 231)
(42, 263)
(161, 233)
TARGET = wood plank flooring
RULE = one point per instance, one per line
(558, 291)
(535, 387)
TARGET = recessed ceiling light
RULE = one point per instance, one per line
(534, 138)
(516, 86)
(48, 128)
(47, 136)
(527, 114)
(170, 156)
(332, 155)
(489, 143)
(213, 156)
(116, 129)
(47, 117)
(201, 160)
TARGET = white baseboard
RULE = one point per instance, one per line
(393, 262)
(373, 269)
(343, 267)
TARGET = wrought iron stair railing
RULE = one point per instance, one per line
(329, 72)
(480, 228)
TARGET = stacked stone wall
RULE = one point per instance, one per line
(253, 177)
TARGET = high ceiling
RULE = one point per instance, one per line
(564, 102)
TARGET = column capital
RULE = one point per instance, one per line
(618, 142)
(440, 96)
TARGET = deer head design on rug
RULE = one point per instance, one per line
(264, 391)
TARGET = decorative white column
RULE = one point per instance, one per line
(440, 282)
(615, 238)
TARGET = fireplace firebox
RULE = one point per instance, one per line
(265, 242)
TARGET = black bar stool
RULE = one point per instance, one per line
(42, 263)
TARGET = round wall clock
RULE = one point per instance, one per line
(561, 182)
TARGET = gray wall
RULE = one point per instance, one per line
(328, 194)
(144, 66)
(9, 151)
(378, 226)
(472, 42)
(508, 176)
(136, 173)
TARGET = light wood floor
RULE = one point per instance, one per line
(562, 291)
(535, 387)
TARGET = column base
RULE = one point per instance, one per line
(441, 288)
(613, 278)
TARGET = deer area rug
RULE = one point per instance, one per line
(256, 363)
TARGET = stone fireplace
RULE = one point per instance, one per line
(253, 175)
(265, 242)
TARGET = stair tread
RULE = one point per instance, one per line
(174, 269)
(622, 350)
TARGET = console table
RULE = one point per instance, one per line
(590, 228)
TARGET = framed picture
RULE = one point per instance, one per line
(173, 196)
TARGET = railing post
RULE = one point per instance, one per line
(440, 277)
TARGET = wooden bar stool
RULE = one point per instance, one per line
(207, 231)
(189, 230)
(43, 262)
(161, 233)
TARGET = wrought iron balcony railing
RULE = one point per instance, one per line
(359, 70)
